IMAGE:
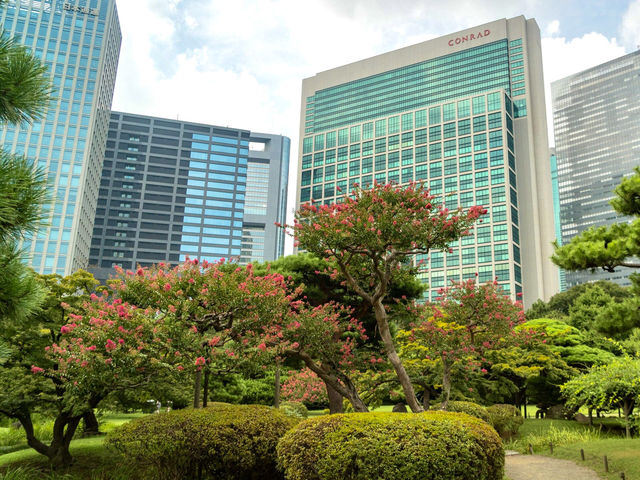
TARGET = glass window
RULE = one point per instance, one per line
(434, 115)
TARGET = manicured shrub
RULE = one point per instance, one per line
(432, 445)
(295, 409)
(506, 419)
(470, 408)
(222, 441)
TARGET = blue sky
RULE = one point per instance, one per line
(240, 63)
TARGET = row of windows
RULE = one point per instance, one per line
(435, 133)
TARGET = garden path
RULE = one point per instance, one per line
(537, 467)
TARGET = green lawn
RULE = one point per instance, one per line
(92, 460)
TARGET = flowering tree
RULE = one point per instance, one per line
(469, 320)
(371, 235)
(304, 386)
(210, 307)
(326, 338)
(110, 346)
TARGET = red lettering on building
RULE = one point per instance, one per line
(468, 38)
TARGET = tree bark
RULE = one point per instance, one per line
(446, 382)
(627, 408)
(335, 399)
(426, 398)
(205, 388)
(196, 389)
(276, 396)
(383, 327)
(344, 385)
(91, 426)
(64, 428)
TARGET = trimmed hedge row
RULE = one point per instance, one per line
(506, 419)
(221, 441)
(470, 408)
(433, 445)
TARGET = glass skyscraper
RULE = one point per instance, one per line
(172, 189)
(80, 43)
(596, 118)
(463, 113)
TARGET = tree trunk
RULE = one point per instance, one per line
(446, 382)
(344, 385)
(590, 416)
(196, 389)
(335, 399)
(64, 428)
(276, 397)
(426, 399)
(91, 426)
(627, 408)
(205, 388)
(392, 354)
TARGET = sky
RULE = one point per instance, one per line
(241, 63)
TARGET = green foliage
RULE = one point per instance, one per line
(559, 305)
(295, 409)
(605, 387)
(391, 446)
(224, 441)
(506, 419)
(470, 408)
(576, 348)
(24, 83)
(23, 190)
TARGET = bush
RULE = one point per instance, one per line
(389, 446)
(222, 441)
(294, 409)
(506, 419)
(470, 408)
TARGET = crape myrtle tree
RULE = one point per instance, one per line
(304, 386)
(330, 342)
(210, 306)
(372, 234)
(469, 320)
(318, 284)
(605, 387)
(109, 347)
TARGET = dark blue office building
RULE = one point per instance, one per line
(172, 189)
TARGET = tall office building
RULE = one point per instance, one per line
(596, 118)
(79, 41)
(464, 113)
(172, 189)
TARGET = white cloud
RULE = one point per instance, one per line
(552, 28)
(630, 26)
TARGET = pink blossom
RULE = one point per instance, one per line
(35, 369)
(200, 361)
(110, 345)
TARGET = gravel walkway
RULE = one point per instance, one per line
(537, 467)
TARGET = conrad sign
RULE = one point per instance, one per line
(469, 38)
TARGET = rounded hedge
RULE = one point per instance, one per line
(433, 445)
(469, 408)
(506, 419)
(222, 442)
(295, 409)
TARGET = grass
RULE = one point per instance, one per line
(91, 459)
(569, 437)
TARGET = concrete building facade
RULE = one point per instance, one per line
(80, 43)
(596, 118)
(464, 113)
(172, 189)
